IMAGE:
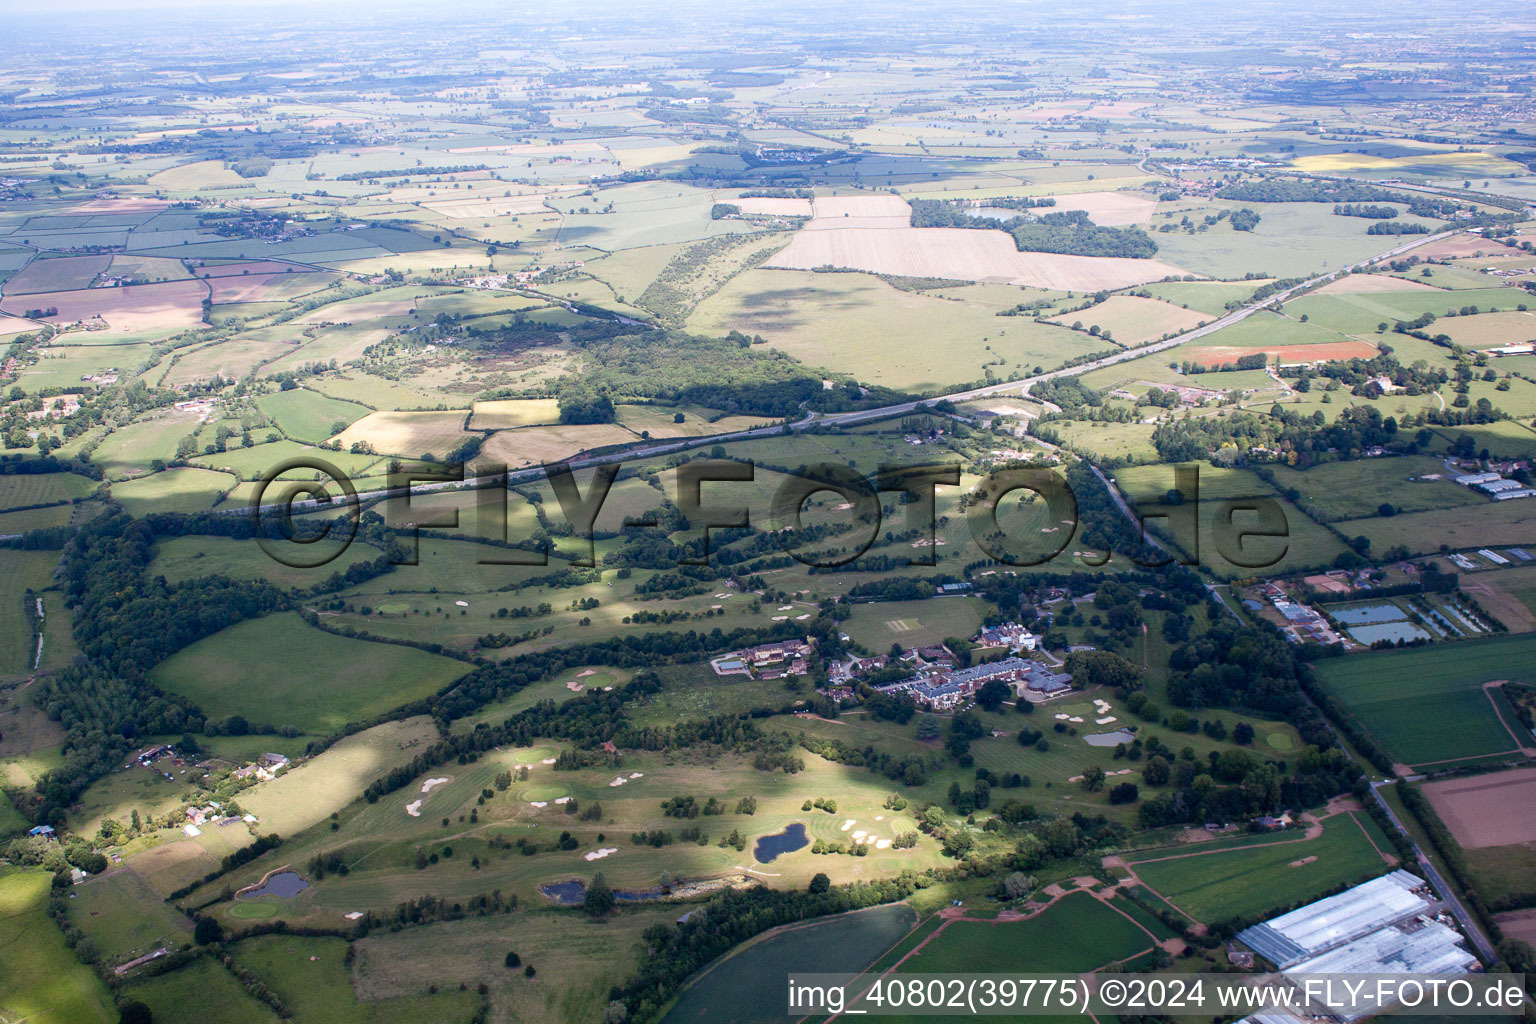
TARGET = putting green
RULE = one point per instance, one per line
(397, 608)
(531, 756)
(544, 793)
(1280, 740)
(251, 910)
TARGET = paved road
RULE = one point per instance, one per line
(1019, 386)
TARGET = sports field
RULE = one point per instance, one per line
(1427, 705)
(277, 669)
(912, 623)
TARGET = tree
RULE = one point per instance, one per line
(927, 727)
(819, 883)
(1157, 772)
(513, 960)
(135, 1012)
(207, 931)
(1242, 733)
(1018, 885)
(992, 694)
(1093, 778)
(617, 1013)
(600, 899)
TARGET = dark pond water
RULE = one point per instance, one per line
(286, 884)
(770, 848)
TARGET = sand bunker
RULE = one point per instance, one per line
(538, 803)
(413, 808)
(600, 853)
(431, 784)
(881, 844)
(849, 824)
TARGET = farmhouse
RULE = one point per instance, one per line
(1009, 635)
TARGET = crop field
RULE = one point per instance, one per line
(313, 680)
(748, 986)
(176, 490)
(412, 434)
(1363, 284)
(1427, 706)
(1355, 490)
(22, 489)
(1469, 526)
(1250, 880)
(1360, 312)
(880, 332)
(961, 254)
(1203, 296)
(531, 446)
(42, 982)
(168, 306)
(309, 416)
(1487, 810)
(63, 274)
(517, 412)
(1132, 320)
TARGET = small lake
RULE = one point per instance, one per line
(286, 884)
(1109, 739)
(769, 848)
(993, 212)
(1367, 614)
(1393, 631)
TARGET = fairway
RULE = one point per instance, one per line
(277, 669)
(1427, 705)
(1251, 880)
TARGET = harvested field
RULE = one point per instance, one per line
(884, 211)
(262, 287)
(486, 206)
(136, 307)
(1132, 320)
(514, 412)
(97, 207)
(1357, 284)
(1459, 247)
(1109, 208)
(535, 445)
(58, 275)
(248, 267)
(1519, 924)
(409, 433)
(1215, 355)
(1488, 810)
(961, 254)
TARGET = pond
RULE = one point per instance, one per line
(1367, 614)
(994, 212)
(1109, 739)
(286, 884)
(767, 849)
(1393, 631)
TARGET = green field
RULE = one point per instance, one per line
(125, 917)
(279, 668)
(42, 981)
(912, 623)
(749, 984)
(311, 979)
(184, 995)
(1250, 880)
(184, 558)
(308, 415)
(20, 489)
(21, 569)
(1426, 705)
(1077, 933)
(1355, 490)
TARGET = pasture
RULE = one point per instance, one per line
(1355, 490)
(184, 995)
(306, 415)
(42, 981)
(183, 489)
(278, 667)
(125, 917)
(1465, 527)
(312, 978)
(1252, 879)
(1427, 706)
(185, 558)
(22, 570)
(23, 489)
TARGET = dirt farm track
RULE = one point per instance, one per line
(1488, 810)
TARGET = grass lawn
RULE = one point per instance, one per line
(125, 917)
(42, 981)
(20, 489)
(913, 623)
(21, 570)
(279, 667)
(749, 984)
(1355, 490)
(184, 558)
(175, 490)
(1469, 526)
(1250, 880)
(1426, 705)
